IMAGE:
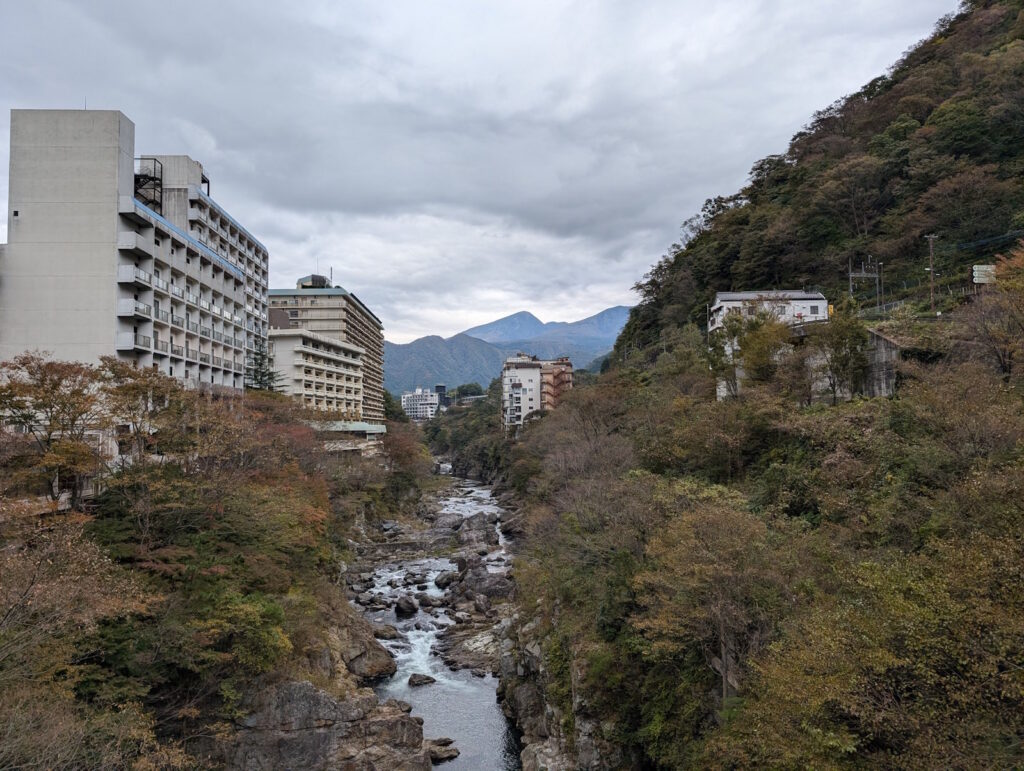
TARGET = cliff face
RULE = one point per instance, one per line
(555, 735)
(327, 718)
(297, 725)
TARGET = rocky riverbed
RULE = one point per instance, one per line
(437, 592)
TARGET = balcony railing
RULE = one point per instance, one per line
(218, 361)
(143, 341)
(192, 298)
(177, 350)
(204, 358)
(191, 353)
(160, 345)
(131, 274)
(193, 327)
(159, 283)
(177, 321)
(162, 316)
(204, 304)
(177, 291)
(205, 331)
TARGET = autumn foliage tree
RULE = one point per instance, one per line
(59, 406)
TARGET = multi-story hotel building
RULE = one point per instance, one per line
(113, 254)
(421, 404)
(530, 385)
(323, 372)
(316, 306)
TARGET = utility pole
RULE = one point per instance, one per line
(881, 281)
(931, 268)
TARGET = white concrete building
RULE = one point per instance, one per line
(520, 389)
(790, 307)
(529, 384)
(333, 311)
(324, 373)
(421, 404)
(113, 254)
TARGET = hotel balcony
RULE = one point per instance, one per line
(134, 308)
(134, 243)
(130, 274)
(128, 341)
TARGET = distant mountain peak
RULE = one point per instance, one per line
(477, 354)
(517, 326)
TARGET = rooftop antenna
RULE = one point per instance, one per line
(332, 275)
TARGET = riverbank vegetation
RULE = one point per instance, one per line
(187, 567)
(759, 582)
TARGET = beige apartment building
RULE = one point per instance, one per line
(530, 385)
(113, 254)
(323, 372)
(316, 306)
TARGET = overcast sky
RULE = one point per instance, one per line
(455, 162)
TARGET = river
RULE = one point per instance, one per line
(460, 705)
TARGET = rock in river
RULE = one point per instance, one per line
(406, 606)
(416, 680)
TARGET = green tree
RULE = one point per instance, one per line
(260, 374)
(393, 408)
(842, 344)
(469, 389)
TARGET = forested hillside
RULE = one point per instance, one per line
(757, 583)
(936, 146)
(767, 582)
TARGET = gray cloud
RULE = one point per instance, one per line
(457, 161)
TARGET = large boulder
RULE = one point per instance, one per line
(406, 606)
(444, 579)
(480, 581)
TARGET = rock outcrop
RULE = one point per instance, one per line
(296, 725)
(348, 644)
(522, 689)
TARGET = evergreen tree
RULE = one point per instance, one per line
(260, 374)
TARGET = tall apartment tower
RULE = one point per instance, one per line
(113, 254)
(328, 310)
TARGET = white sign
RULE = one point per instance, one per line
(984, 274)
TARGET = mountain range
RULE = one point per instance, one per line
(477, 354)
